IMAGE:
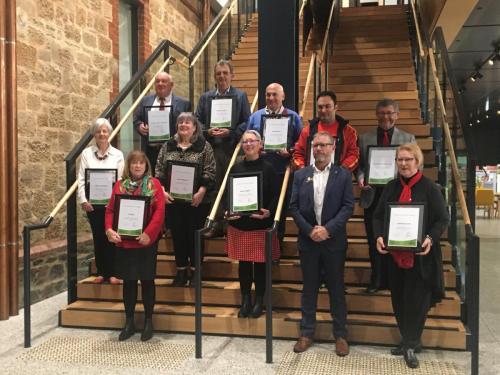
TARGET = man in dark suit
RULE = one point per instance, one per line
(322, 202)
(385, 134)
(163, 99)
(223, 140)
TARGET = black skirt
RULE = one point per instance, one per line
(136, 264)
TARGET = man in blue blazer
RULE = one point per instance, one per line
(163, 97)
(223, 140)
(322, 202)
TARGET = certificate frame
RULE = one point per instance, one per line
(264, 119)
(196, 179)
(233, 111)
(88, 171)
(119, 198)
(370, 149)
(159, 140)
(239, 212)
(416, 248)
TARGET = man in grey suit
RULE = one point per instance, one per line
(223, 140)
(162, 99)
(322, 202)
(387, 112)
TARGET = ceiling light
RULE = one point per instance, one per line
(491, 61)
(476, 76)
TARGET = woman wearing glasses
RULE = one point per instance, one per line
(246, 234)
(415, 279)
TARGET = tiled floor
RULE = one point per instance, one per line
(223, 355)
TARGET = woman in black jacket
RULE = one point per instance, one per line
(415, 279)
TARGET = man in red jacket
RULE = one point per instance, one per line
(346, 150)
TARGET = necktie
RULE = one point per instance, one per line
(385, 141)
(162, 104)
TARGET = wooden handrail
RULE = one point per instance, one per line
(209, 39)
(448, 140)
(73, 187)
(417, 28)
(327, 31)
(308, 83)
(281, 200)
(222, 188)
(301, 12)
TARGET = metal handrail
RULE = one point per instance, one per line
(217, 23)
(116, 130)
(327, 33)
(308, 83)
(448, 140)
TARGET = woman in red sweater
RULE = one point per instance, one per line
(135, 259)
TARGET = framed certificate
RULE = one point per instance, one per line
(222, 109)
(404, 226)
(381, 166)
(276, 132)
(99, 185)
(182, 180)
(159, 123)
(130, 215)
(245, 193)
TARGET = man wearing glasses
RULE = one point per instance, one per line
(346, 151)
(322, 202)
(386, 134)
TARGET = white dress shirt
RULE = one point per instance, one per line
(320, 179)
(113, 160)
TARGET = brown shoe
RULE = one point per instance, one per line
(213, 232)
(302, 344)
(341, 347)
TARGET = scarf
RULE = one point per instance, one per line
(406, 259)
(129, 187)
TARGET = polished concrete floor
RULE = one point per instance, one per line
(238, 355)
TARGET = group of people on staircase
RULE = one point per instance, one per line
(324, 157)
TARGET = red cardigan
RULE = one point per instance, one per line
(156, 214)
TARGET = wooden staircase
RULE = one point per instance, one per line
(365, 55)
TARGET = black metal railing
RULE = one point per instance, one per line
(442, 107)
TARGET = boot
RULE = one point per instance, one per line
(258, 307)
(147, 333)
(246, 306)
(128, 330)
(181, 278)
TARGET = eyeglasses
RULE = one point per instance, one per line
(386, 113)
(404, 160)
(322, 145)
(249, 142)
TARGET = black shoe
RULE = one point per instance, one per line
(246, 306)
(410, 358)
(181, 278)
(372, 288)
(147, 333)
(127, 331)
(258, 307)
(399, 349)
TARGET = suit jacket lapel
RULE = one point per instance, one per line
(396, 139)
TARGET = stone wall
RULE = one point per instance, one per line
(67, 75)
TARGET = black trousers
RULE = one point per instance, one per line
(332, 261)
(184, 220)
(130, 297)
(104, 250)
(411, 300)
(222, 157)
(152, 152)
(378, 261)
(250, 272)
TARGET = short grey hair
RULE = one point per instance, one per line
(254, 132)
(98, 123)
(223, 62)
(197, 127)
(325, 134)
(386, 103)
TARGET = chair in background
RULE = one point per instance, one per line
(485, 199)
